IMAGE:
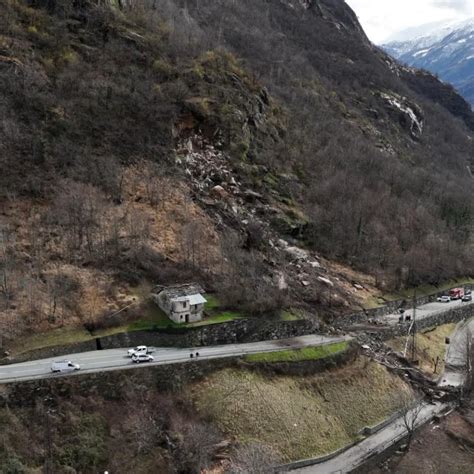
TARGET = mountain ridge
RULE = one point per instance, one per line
(448, 53)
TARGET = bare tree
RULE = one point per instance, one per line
(197, 446)
(253, 458)
(7, 263)
(63, 291)
(411, 412)
(137, 228)
(78, 210)
(194, 243)
(144, 426)
(148, 176)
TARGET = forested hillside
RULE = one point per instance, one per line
(171, 141)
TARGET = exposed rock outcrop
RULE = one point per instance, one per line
(410, 115)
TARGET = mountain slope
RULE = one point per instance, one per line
(448, 52)
(249, 145)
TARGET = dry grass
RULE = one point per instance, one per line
(300, 417)
(430, 346)
(100, 295)
(170, 218)
(347, 277)
(51, 338)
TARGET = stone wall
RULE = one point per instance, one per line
(453, 315)
(235, 332)
(54, 351)
(241, 331)
(112, 385)
(389, 308)
(308, 367)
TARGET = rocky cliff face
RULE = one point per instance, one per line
(246, 144)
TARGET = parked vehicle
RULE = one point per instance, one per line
(456, 293)
(138, 358)
(444, 299)
(139, 350)
(64, 366)
(467, 297)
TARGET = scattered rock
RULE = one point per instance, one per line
(252, 196)
(297, 253)
(281, 281)
(218, 192)
(327, 281)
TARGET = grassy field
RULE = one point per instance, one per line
(297, 355)
(51, 338)
(152, 318)
(300, 417)
(430, 345)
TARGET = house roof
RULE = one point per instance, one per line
(193, 299)
(182, 291)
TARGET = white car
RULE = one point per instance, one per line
(64, 366)
(138, 358)
(138, 350)
(444, 299)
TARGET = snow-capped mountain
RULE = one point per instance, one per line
(446, 50)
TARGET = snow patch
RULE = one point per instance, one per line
(422, 53)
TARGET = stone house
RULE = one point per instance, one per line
(182, 304)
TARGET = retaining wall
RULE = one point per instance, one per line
(112, 385)
(391, 307)
(307, 367)
(234, 332)
(241, 331)
(453, 315)
(171, 377)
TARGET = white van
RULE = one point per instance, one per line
(64, 366)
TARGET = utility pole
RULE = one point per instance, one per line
(413, 344)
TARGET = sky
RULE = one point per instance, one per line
(383, 19)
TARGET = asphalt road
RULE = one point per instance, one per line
(454, 374)
(426, 310)
(456, 356)
(355, 456)
(116, 359)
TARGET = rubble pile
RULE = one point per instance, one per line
(219, 189)
(207, 167)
